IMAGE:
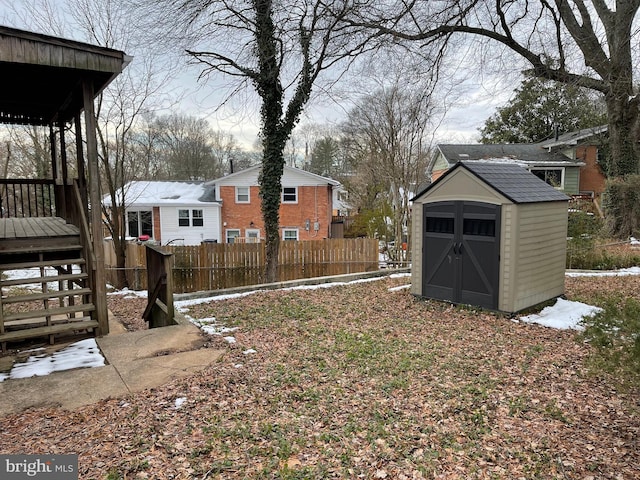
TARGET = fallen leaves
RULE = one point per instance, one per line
(359, 382)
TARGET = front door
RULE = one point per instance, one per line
(461, 252)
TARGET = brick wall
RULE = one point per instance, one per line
(314, 204)
(591, 176)
(156, 225)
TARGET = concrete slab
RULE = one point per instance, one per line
(128, 347)
(146, 373)
(137, 360)
(69, 389)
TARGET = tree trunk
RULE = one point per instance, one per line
(623, 117)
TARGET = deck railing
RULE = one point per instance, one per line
(27, 198)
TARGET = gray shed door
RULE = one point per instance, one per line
(460, 252)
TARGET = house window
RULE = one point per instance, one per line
(289, 194)
(553, 176)
(140, 223)
(290, 234)
(197, 218)
(183, 218)
(252, 235)
(232, 234)
(242, 195)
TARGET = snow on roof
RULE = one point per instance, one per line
(150, 193)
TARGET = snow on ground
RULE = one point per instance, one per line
(563, 315)
(82, 354)
(624, 272)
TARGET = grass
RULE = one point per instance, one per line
(359, 382)
(370, 383)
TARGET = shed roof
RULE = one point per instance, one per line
(42, 75)
(512, 181)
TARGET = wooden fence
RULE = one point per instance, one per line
(215, 266)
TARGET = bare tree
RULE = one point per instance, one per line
(280, 50)
(391, 131)
(583, 43)
(185, 146)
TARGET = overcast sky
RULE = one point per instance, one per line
(480, 98)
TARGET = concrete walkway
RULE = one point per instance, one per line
(136, 361)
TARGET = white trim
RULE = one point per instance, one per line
(289, 201)
(226, 234)
(296, 230)
(562, 174)
(248, 200)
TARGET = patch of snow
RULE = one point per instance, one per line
(624, 272)
(634, 241)
(180, 401)
(230, 339)
(249, 351)
(82, 354)
(563, 315)
(399, 275)
(401, 287)
(126, 293)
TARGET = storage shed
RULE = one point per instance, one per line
(491, 235)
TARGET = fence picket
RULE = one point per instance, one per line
(215, 266)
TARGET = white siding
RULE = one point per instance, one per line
(191, 235)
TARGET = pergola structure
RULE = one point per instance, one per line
(54, 224)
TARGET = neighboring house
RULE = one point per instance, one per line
(568, 162)
(305, 211)
(186, 213)
(583, 146)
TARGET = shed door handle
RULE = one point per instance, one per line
(457, 248)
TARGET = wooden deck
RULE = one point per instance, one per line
(36, 227)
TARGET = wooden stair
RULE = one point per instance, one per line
(53, 298)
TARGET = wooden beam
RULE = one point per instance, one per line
(100, 285)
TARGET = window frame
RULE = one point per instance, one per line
(197, 215)
(182, 218)
(238, 194)
(562, 171)
(295, 193)
(139, 223)
(228, 231)
(252, 235)
(288, 230)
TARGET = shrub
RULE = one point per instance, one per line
(583, 223)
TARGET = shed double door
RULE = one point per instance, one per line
(461, 249)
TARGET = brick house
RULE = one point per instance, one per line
(305, 211)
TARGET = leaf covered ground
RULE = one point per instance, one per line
(358, 381)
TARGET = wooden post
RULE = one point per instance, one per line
(100, 287)
(159, 311)
(82, 176)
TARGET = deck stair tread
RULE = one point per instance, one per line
(50, 312)
(45, 279)
(42, 263)
(16, 335)
(46, 295)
